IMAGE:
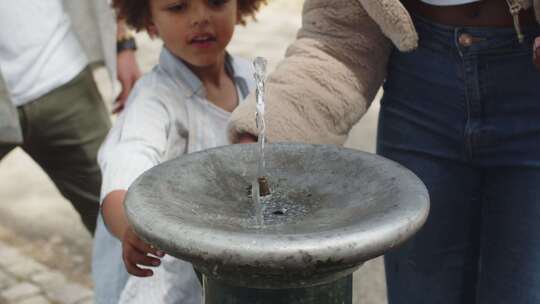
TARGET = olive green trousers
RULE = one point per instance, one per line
(62, 132)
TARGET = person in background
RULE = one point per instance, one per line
(461, 109)
(49, 103)
(181, 106)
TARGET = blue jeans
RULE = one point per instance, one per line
(466, 119)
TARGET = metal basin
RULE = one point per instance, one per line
(331, 209)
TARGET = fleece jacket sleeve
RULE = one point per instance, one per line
(328, 78)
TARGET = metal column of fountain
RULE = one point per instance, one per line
(330, 210)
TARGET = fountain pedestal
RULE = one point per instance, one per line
(337, 292)
(331, 209)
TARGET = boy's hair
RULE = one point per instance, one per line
(136, 13)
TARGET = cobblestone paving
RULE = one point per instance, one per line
(26, 281)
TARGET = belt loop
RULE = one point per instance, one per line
(515, 7)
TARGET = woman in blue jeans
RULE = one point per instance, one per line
(461, 109)
(463, 113)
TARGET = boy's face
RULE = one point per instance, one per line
(197, 31)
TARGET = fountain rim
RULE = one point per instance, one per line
(298, 253)
(237, 243)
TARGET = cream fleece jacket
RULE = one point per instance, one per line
(333, 70)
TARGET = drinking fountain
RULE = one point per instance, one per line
(330, 209)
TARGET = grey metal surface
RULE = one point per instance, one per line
(337, 292)
(342, 207)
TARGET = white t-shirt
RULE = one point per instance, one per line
(448, 2)
(39, 51)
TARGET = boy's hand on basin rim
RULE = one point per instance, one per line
(136, 252)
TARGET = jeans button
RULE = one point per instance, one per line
(465, 40)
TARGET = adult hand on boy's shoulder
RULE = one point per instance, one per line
(136, 252)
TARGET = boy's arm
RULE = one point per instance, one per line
(134, 250)
(326, 82)
(113, 213)
(136, 143)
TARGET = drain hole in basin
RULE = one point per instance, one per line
(280, 212)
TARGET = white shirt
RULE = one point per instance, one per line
(166, 116)
(38, 49)
(448, 2)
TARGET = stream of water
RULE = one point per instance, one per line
(260, 77)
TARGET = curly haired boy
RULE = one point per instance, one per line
(181, 106)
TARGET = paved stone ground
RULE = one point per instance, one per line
(44, 249)
(25, 281)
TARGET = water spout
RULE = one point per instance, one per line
(260, 76)
(260, 186)
(264, 187)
